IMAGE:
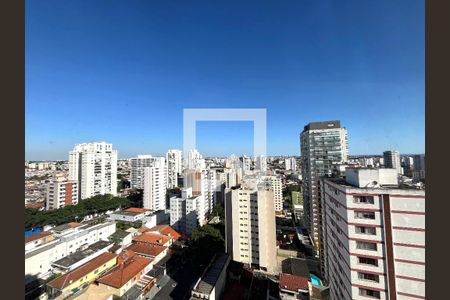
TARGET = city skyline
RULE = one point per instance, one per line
(124, 73)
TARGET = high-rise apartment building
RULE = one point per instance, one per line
(274, 184)
(261, 163)
(195, 160)
(374, 236)
(290, 164)
(322, 145)
(419, 167)
(250, 225)
(184, 216)
(94, 167)
(155, 184)
(203, 184)
(392, 160)
(60, 193)
(174, 167)
(246, 164)
(137, 167)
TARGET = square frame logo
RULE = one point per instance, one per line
(257, 115)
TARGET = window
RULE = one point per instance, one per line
(366, 246)
(368, 261)
(365, 215)
(370, 277)
(365, 230)
(369, 293)
(363, 199)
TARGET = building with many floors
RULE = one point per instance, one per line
(322, 145)
(137, 167)
(250, 224)
(174, 167)
(60, 193)
(392, 160)
(184, 212)
(374, 245)
(94, 167)
(155, 185)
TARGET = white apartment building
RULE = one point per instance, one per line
(250, 225)
(246, 164)
(261, 163)
(195, 160)
(290, 164)
(275, 185)
(229, 177)
(60, 193)
(155, 185)
(94, 167)
(392, 160)
(374, 245)
(184, 216)
(137, 167)
(174, 167)
(322, 145)
(68, 239)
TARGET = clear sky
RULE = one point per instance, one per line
(122, 72)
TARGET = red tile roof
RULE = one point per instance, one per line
(152, 238)
(166, 230)
(146, 249)
(125, 271)
(143, 229)
(137, 210)
(74, 275)
(293, 283)
(37, 236)
(73, 224)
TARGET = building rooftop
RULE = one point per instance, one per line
(119, 234)
(37, 236)
(137, 210)
(146, 249)
(152, 238)
(68, 278)
(323, 125)
(209, 279)
(166, 230)
(295, 266)
(67, 226)
(293, 283)
(131, 265)
(77, 256)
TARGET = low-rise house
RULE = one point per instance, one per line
(294, 287)
(153, 251)
(153, 238)
(72, 281)
(80, 257)
(131, 271)
(38, 239)
(121, 237)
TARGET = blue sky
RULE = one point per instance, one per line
(122, 72)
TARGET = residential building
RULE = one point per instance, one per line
(261, 163)
(212, 283)
(195, 160)
(250, 224)
(275, 185)
(137, 167)
(184, 212)
(392, 160)
(374, 243)
(155, 185)
(419, 167)
(293, 287)
(246, 164)
(290, 164)
(94, 167)
(322, 144)
(66, 284)
(61, 193)
(174, 167)
(68, 238)
(131, 271)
